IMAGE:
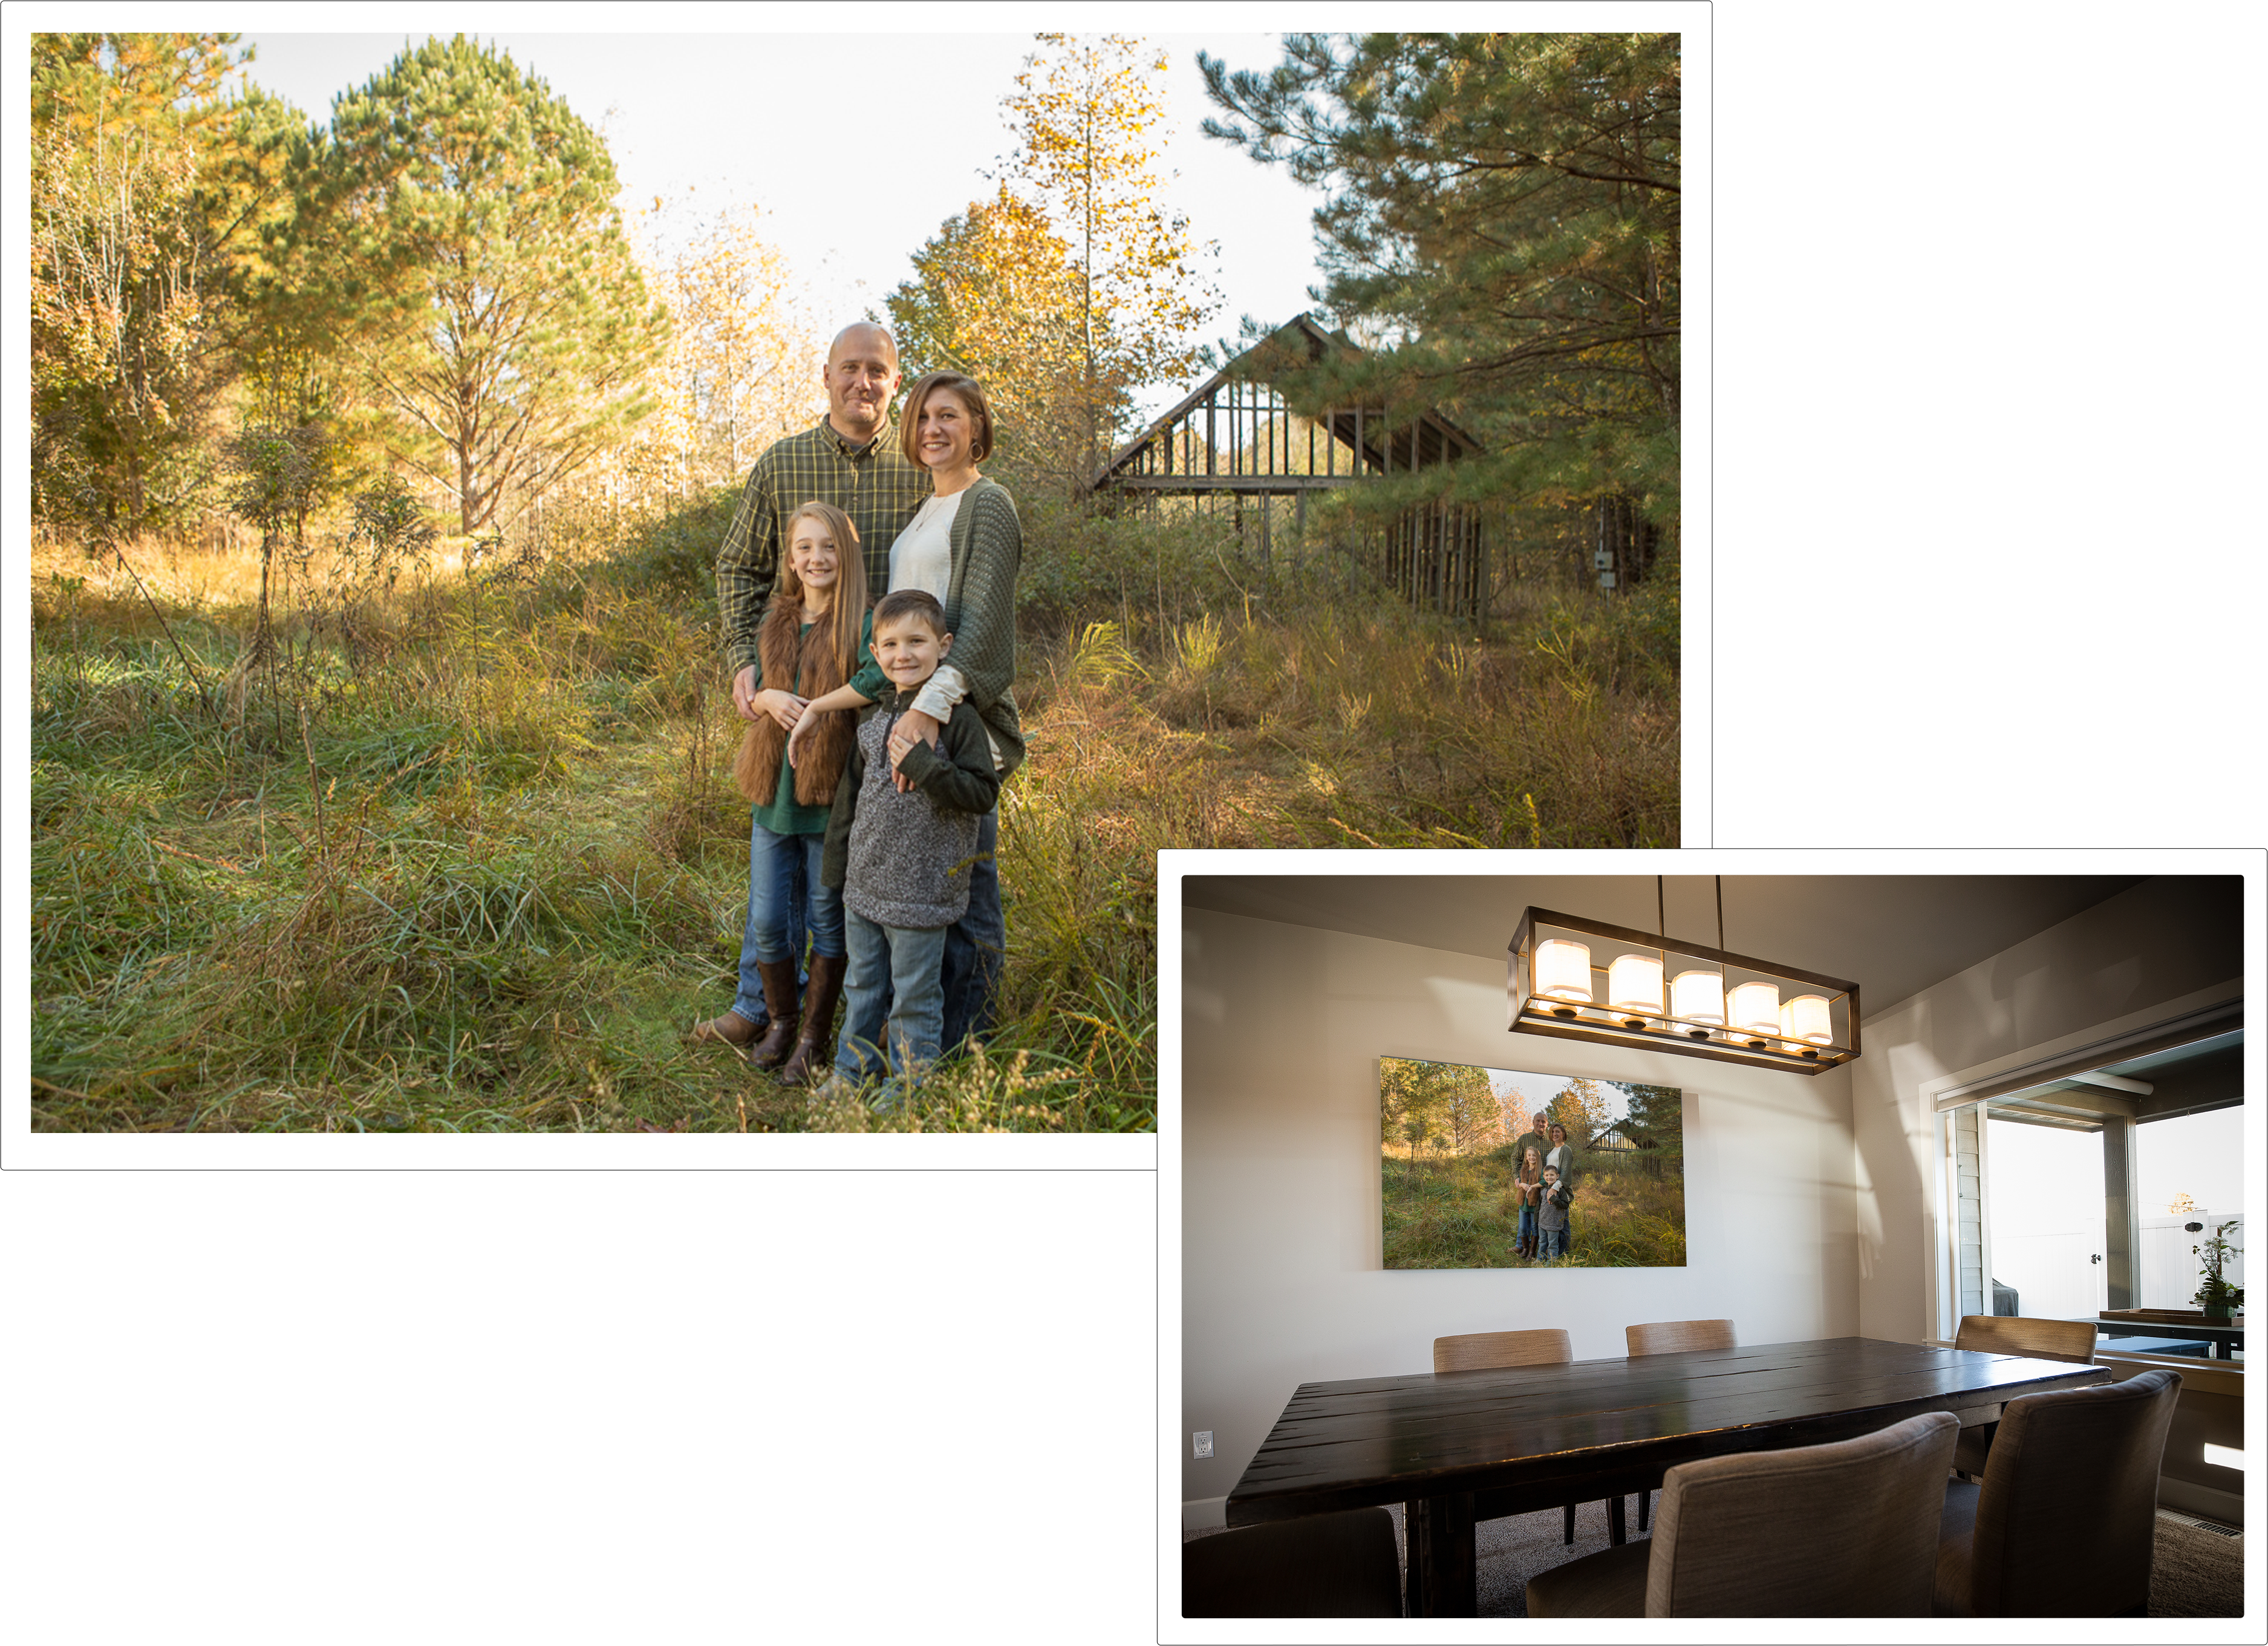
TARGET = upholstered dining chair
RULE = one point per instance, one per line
(2014, 1334)
(1343, 1565)
(1478, 1351)
(2065, 1523)
(1843, 1530)
(1668, 1337)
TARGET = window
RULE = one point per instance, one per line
(2064, 1187)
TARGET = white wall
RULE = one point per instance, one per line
(1281, 1277)
(2166, 945)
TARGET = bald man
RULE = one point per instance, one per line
(850, 457)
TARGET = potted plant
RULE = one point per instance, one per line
(2217, 1297)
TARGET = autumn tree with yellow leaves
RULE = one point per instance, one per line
(128, 273)
(994, 295)
(1077, 283)
(1088, 115)
(1583, 1109)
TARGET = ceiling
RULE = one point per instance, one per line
(1892, 934)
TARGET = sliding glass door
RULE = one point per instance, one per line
(2085, 1187)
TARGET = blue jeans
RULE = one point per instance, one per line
(975, 945)
(1555, 1243)
(1527, 1224)
(897, 972)
(785, 900)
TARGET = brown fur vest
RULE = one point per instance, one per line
(826, 747)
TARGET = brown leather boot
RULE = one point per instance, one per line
(779, 1003)
(815, 1048)
(732, 1029)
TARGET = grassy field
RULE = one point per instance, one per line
(460, 852)
(1460, 1212)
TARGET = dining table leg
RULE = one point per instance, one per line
(1439, 1581)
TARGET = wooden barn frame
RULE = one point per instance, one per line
(1234, 437)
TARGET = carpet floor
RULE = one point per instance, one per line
(2197, 1574)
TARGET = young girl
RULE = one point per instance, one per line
(1529, 1186)
(814, 640)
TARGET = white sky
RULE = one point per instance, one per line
(1536, 1091)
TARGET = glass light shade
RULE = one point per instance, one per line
(1699, 997)
(1634, 983)
(1806, 1018)
(1755, 1008)
(1563, 969)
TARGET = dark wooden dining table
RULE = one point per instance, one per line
(1462, 1447)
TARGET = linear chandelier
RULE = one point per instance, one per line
(1586, 980)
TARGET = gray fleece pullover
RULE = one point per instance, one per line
(902, 858)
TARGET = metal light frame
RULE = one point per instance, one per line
(1661, 1032)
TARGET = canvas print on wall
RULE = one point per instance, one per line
(1502, 1169)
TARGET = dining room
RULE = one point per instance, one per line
(1816, 1282)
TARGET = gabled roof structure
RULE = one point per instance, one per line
(1233, 435)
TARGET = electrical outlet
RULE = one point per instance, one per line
(1202, 1439)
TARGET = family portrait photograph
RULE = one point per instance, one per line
(483, 490)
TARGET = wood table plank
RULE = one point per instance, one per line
(1372, 1440)
(1472, 1445)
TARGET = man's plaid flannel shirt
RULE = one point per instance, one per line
(872, 483)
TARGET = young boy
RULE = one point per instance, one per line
(902, 855)
(1553, 1217)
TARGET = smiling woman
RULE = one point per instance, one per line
(964, 547)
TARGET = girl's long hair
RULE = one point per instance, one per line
(1526, 1155)
(849, 593)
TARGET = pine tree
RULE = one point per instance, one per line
(1469, 1107)
(513, 333)
(1503, 227)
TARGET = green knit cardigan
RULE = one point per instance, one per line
(980, 610)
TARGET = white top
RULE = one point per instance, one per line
(921, 556)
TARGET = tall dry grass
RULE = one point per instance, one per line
(1460, 1213)
(462, 853)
